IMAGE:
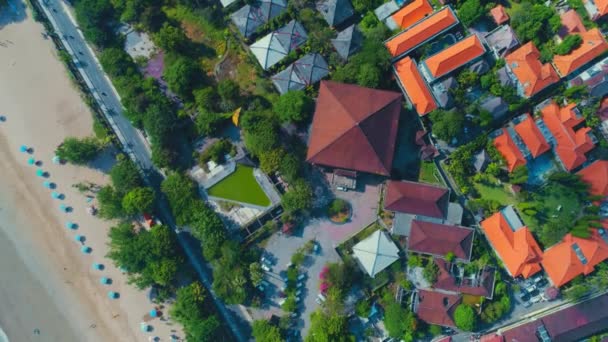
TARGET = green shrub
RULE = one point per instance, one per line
(569, 43)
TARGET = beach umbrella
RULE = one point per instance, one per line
(55, 195)
(2, 118)
(23, 148)
(97, 267)
(70, 225)
(144, 327)
(63, 208)
(56, 160)
(112, 295)
(47, 184)
(86, 249)
(40, 173)
(153, 313)
(104, 281)
(78, 238)
(31, 161)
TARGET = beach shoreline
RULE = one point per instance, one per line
(53, 293)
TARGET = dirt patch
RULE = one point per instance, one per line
(194, 32)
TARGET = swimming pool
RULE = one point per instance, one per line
(539, 168)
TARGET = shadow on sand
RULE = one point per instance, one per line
(14, 12)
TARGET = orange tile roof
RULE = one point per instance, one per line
(518, 250)
(412, 13)
(596, 175)
(421, 32)
(532, 137)
(499, 15)
(571, 145)
(532, 75)
(593, 45)
(506, 146)
(562, 264)
(571, 23)
(455, 56)
(602, 8)
(414, 86)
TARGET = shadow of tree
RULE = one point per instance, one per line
(13, 12)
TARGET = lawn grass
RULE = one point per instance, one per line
(240, 186)
(429, 173)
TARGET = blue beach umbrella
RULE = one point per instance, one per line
(144, 327)
(104, 281)
(2, 118)
(71, 225)
(78, 238)
(31, 161)
(63, 208)
(40, 173)
(23, 148)
(55, 195)
(56, 160)
(47, 184)
(98, 267)
(153, 313)
(86, 249)
(112, 295)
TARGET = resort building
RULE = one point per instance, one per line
(595, 78)
(348, 42)
(354, 128)
(415, 89)
(505, 144)
(574, 323)
(462, 53)
(531, 135)
(513, 243)
(499, 14)
(593, 46)
(571, 24)
(376, 252)
(451, 279)
(502, 40)
(565, 131)
(302, 73)
(419, 201)
(436, 307)
(438, 240)
(575, 256)
(409, 14)
(421, 32)
(335, 12)
(275, 46)
(528, 73)
(596, 8)
(250, 17)
(596, 175)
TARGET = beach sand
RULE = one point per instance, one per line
(46, 282)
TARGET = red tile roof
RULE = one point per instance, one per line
(414, 86)
(354, 128)
(447, 282)
(596, 175)
(499, 15)
(518, 250)
(532, 137)
(440, 239)
(507, 148)
(417, 199)
(593, 45)
(412, 13)
(455, 56)
(532, 75)
(424, 30)
(437, 308)
(571, 144)
(562, 264)
(571, 23)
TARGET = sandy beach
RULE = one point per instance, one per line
(49, 290)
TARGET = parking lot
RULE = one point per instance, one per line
(280, 247)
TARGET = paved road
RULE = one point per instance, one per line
(132, 140)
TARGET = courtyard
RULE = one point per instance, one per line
(242, 187)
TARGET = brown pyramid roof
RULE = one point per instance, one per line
(440, 239)
(354, 128)
(417, 199)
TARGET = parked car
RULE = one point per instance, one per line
(266, 268)
(316, 248)
(527, 304)
(321, 297)
(261, 288)
(524, 296)
(281, 301)
(300, 284)
(298, 293)
(265, 283)
(301, 276)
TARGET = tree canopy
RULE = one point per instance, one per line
(471, 11)
(398, 321)
(569, 43)
(263, 331)
(535, 22)
(293, 106)
(447, 125)
(138, 201)
(298, 198)
(328, 327)
(465, 318)
(189, 310)
(125, 176)
(182, 75)
(78, 150)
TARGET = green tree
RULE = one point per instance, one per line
(298, 198)
(430, 271)
(229, 93)
(205, 99)
(535, 22)
(138, 200)
(325, 327)
(125, 176)
(209, 123)
(290, 167)
(78, 151)
(182, 75)
(471, 11)
(261, 133)
(519, 175)
(465, 318)
(116, 62)
(171, 39)
(208, 228)
(397, 320)
(189, 311)
(293, 106)
(96, 20)
(180, 192)
(447, 125)
(256, 273)
(110, 203)
(270, 161)
(569, 43)
(263, 331)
